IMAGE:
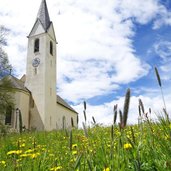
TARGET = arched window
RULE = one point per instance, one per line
(36, 45)
(51, 48)
(72, 122)
(63, 123)
(8, 115)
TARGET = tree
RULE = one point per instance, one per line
(4, 62)
(6, 99)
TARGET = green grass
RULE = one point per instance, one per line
(146, 146)
(142, 147)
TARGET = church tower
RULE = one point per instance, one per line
(41, 70)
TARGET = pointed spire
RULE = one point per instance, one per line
(43, 15)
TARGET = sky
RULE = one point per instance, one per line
(104, 47)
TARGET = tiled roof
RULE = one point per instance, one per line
(19, 84)
(63, 103)
(15, 83)
(43, 15)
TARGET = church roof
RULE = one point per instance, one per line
(63, 103)
(19, 84)
(43, 15)
(15, 83)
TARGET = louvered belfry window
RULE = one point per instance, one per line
(36, 45)
(51, 48)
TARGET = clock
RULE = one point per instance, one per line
(36, 62)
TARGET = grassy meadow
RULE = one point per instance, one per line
(145, 146)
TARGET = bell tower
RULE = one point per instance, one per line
(41, 70)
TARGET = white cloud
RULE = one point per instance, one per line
(163, 18)
(95, 51)
(163, 50)
(103, 114)
(142, 11)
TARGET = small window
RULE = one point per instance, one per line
(63, 123)
(36, 45)
(8, 116)
(51, 48)
(72, 122)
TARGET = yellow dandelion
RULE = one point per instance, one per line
(14, 152)
(11, 152)
(23, 145)
(25, 155)
(56, 168)
(35, 155)
(73, 160)
(91, 150)
(108, 145)
(74, 152)
(39, 146)
(18, 160)
(29, 151)
(3, 163)
(74, 146)
(106, 169)
(44, 149)
(127, 146)
(18, 151)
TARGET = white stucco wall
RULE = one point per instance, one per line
(21, 100)
(68, 114)
(35, 119)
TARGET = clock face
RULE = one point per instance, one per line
(36, 62)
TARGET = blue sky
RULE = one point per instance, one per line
(104, 47)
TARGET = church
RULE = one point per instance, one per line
(35, 93)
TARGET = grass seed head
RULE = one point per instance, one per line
(141, 106)
(115, 113)
(85, 117)
(126, 107)
(158, 76)
(94, 121)
(85, 105)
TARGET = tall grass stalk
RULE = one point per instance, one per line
(85, 130)
(70, 140)
(84, 111)
(126, 108)
(78, 161)
(141, 105)
(160, 85)
(94, 121)
(115, 113)
(120, 118)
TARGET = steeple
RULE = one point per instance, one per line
(43, 15)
